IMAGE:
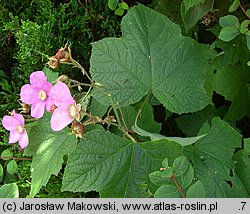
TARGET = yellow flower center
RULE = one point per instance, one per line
(73, 111)
(19, 129)
(42, 95)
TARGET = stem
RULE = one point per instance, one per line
(82, 69)
(244, 11)
(123, 120)
(79, 83)
(14, 158)
(114, 108)
(142, 107)
(172, 177)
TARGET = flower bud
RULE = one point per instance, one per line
(63, 78)
(25, 108)
(52, 108)
(60, 53)
(77, 128)
(54, 62)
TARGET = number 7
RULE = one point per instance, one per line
(243, 205)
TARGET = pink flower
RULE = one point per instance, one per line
(15, 124)
(67, 110)
(37, 94)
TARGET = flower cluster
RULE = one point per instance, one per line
(41, 95)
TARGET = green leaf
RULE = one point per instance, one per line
(180, 166)
(235, 88)
(191, 124)
(188, 177)
(167, 191)
(119, 11)
(229, 20)
(213, 162)
(114, 166)
(228, 33)
(231, 52)
(184, 141)
(234, 6)
(124, 5)
(12, 167)
(248, 12)
(248, 41)
(194, 14)
(159, 178)
(165, 163)
(7, 153)
(50, 74)
(9, 191)
(96, 108)
(112, 4)
(244, 26)
(47, 149)
(243, 164)
(146, 120)
(1, 170)
(191, 3)
(128, 68)
(197, 190)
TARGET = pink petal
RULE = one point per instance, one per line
(14, 136)
(38, 79)
(19, 117)
(37, 109)
(49, 104)
(61, 95)
(24, 140)
(60, 119)
(10, 123)
(48, 87)
(29, 94)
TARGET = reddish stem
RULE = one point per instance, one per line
(172, 177)
(244, 11)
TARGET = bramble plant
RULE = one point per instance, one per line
(105, 125)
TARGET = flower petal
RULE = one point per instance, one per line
(38, 79)
(14, 136)
(49, 104)
(10, 123)
(48, 87)
(24, 140)
(37, 109)
(19, 117)
(29, 94)
(61, 95)
(60, 119)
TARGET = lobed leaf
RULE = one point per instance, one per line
(150, 57)
(212, 161)
(47, 149)
(114, 166)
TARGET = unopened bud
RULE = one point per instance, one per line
(162, 169)
(54, 62)
(25, 108)
(52, 108)
(77, 128)
(63, 78)
(60, 53)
